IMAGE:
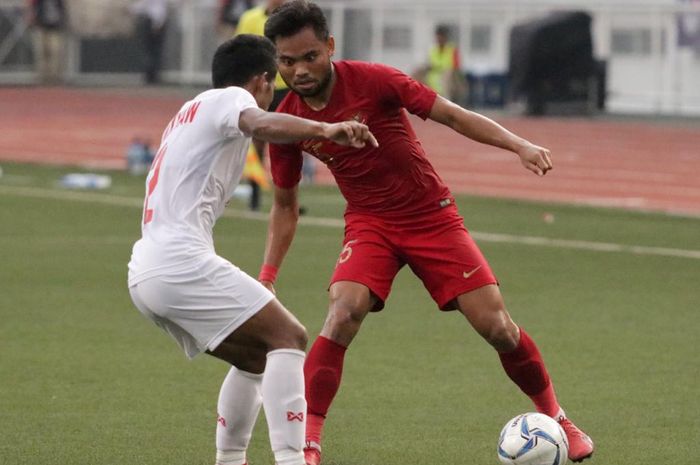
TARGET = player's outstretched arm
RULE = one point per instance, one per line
(280, 233)
(482, 129)
(281, 128)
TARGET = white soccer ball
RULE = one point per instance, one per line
(533, 439)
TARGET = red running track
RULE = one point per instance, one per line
(633, 164)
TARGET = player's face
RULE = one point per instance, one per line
(304, 62)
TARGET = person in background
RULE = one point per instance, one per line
(139, 156)
(228, 16)
(253, 22)
(443, 73)
(50, 19)
(308, 170)
(151, 19)
(135, 159)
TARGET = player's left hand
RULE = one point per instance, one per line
(536, 159)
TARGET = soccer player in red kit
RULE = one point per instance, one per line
(399, 212)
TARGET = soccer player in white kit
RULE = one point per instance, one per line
(203, 301)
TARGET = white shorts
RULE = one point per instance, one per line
(199, 307)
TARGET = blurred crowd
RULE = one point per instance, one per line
(50, 21)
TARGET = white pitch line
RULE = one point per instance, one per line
(78, 196)
(586, 245)
(107, 199)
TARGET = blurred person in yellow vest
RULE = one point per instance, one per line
(254, 169)
(443, 73)
(253, 22)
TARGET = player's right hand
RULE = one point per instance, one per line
(350, 133)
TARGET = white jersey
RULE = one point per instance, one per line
(197, 167)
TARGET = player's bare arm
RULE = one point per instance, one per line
(280, 128)
(284, 215)
(482, 129)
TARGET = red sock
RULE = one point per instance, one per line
(322, 371)
(525, 367)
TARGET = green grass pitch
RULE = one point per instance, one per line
(85, 379)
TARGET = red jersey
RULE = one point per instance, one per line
(394, 179)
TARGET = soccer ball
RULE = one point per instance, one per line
(533, 439)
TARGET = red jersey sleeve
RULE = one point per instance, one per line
(285, 165)
(403, 90)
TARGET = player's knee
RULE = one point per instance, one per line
(345, 313)
(351, 306)
(254, 364)
(251, 360)
(503, 334)
(300, 337)
(343, 322)
(294, 336)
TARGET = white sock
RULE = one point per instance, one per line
(285, 406)
(239, 403)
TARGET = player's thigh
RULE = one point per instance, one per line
(446, 259)
(368, 258)
(273, 327)
(207, 302)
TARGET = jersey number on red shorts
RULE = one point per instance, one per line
(152, 182)
(345, 253)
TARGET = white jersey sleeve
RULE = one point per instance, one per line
(233, 103)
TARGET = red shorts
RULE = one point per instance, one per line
(437, 248)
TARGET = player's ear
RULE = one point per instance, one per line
(331, 45)
(268, 81)
(259, 82)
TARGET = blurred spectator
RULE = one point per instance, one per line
(151, 18)
(253, 22)
(229, 14)
(49, 17)
(139, 156)
(443, 73)
(689, 27)
(308, 169)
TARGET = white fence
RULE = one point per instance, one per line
(648, 70)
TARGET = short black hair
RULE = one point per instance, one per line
(442, 30)
(237, 60)
(292, 17)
